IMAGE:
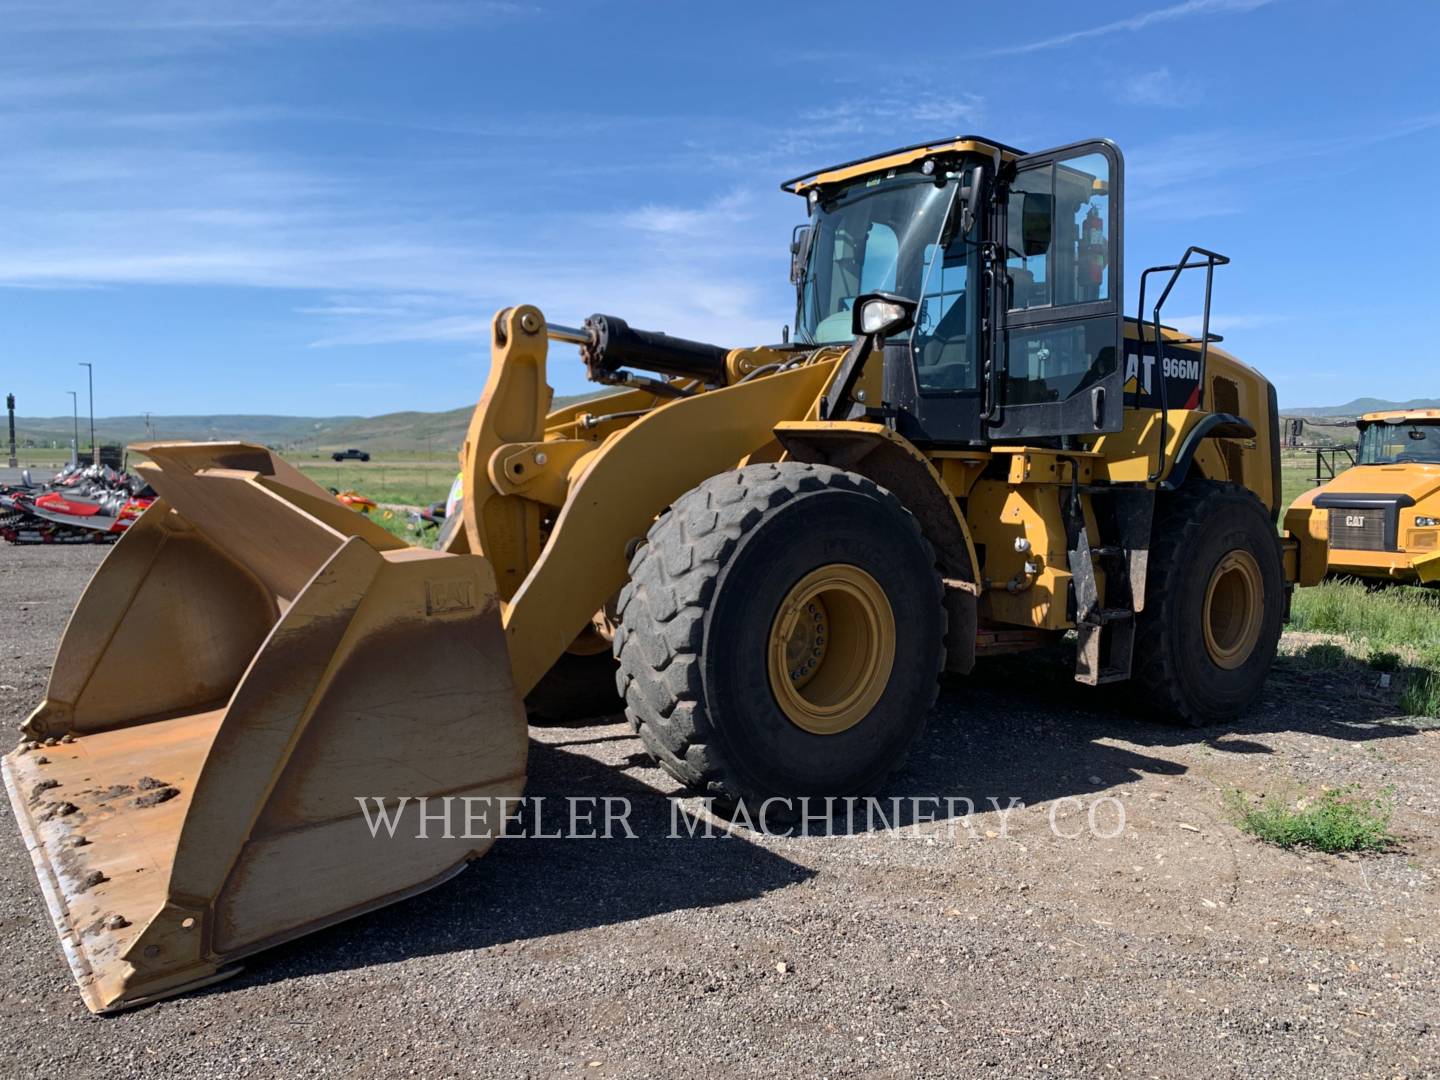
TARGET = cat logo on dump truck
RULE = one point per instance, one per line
(1180, 370)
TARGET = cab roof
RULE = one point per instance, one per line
(905, 155)
(1400, 416)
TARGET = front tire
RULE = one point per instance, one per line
(1214, 608)
(782, 634)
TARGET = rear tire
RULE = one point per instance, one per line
(717, 612)
(1214, 608)
(578, 687)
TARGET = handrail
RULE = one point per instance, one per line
(1325, 458)
(1211, 260)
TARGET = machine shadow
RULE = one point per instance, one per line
(1017, 728)
(533, 887)
(1021, 728)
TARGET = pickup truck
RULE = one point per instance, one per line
(350, 455)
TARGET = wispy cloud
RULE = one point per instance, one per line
(865, 115)
(1186, 10)
(1158, 87)
(721, 213)
(1206, 174)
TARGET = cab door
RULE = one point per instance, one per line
(1057, 368)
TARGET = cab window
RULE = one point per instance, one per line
(1058, 232)
(1391, 444)
(1055, 361)
(943, 341)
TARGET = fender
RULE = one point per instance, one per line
(1212, 426)
(891, 460)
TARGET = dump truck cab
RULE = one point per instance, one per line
(1381, 517)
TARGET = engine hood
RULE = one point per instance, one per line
(1415, 480)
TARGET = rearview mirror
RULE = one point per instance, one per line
(1035, 215)
(799, 252)
(970, 193)
(1416, 435)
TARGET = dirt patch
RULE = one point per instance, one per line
(51, 811)
(1020, 943)
(40, 788)
(114, 791)
(155, 797)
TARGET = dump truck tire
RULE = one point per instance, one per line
(1215, 602)
(575, 688)
(703, 627)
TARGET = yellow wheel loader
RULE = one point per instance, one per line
(1381, 518)
(965, 449)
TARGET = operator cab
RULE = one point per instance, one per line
(1014, 263)
(1405, 438)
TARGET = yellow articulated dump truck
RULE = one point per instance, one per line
(965, 448)
(1380, 519)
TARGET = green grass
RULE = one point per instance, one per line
(1401, 619)
(42, 461)
(1297, 475)
(408, 483)
(1421, 694)
(1397, 629)
(1323, 656)
(404, 526)
(1334, 821)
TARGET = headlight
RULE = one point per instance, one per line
(878, 314)
(1427, 522)
(883, 314)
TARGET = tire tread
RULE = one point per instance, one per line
(673, 577)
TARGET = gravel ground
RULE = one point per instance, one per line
(1178, 946)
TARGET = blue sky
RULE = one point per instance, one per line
(314, 208)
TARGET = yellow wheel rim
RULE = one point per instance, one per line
(1234, 609)
(831, 649)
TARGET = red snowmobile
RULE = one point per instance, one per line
(94, 505)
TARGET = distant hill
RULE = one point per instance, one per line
(440, 432)
(1363, 405)
(270, 430)
(412, 432)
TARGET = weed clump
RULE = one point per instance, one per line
(1336, 821)
(1385, 661)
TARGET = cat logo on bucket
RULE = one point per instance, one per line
(446, 595)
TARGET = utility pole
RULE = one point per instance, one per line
(75, 413)
(94, 449)
(10, 404)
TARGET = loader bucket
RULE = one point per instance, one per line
(250, 661)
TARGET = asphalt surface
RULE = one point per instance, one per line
(1175, 948)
